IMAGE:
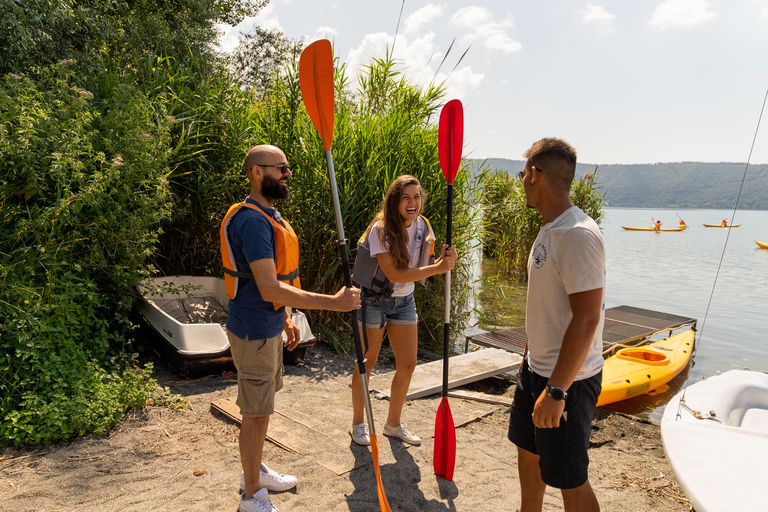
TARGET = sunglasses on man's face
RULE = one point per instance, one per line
(521, 174)
(284, 168)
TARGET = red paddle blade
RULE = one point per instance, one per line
(316, 82)
(445, 441)
(383, 503)
(450, 138)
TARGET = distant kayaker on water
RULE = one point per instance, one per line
(681, 224)
(560, 377)
(725, 222)
(657, 225)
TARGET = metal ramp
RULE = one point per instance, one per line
(625, 325)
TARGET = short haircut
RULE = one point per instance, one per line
(255, 155)
(555, 158)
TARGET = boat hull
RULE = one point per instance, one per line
(721, 226)
(634, 371)
(764, 245)
(188, 316)
(719, 460)
(628, 228)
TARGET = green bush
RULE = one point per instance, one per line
(83, 191)
(510, 227)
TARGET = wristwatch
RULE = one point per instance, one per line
(555, 393)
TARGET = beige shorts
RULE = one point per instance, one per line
(259, 366)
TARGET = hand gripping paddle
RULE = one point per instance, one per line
(316, 82)
(450, 137)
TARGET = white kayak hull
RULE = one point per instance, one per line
(720, 458)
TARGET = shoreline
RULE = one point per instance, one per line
(167, 459)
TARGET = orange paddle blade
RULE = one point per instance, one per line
(316, 82)
(445, 441)
(383, 503)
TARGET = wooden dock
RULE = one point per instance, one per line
(465, 368)
(625, 325)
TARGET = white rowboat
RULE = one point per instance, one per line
(715, 434)
(189, 315)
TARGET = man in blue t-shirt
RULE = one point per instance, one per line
(255, 327)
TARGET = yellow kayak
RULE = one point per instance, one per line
(764, 245)
(652, 229)
(634, 371)
(721, 226)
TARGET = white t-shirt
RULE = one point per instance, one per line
(567, 257)
(416, 233)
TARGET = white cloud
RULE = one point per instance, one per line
(472, 17)
(325, 32)
(480, 22)
(681, 14)
(425, 15)
(498, 39)
(598, 15)
(266, 19)
(418, 58)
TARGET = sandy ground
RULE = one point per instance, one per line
(187, 459)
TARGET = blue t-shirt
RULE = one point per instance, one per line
(252, 238)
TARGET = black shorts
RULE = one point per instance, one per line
(562, 451)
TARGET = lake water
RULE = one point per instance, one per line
(675, 272)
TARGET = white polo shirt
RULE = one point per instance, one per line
(567, 257)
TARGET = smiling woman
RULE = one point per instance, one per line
(395, 251)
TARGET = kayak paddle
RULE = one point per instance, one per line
(316, 82)
(450, 137)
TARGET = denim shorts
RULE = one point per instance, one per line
(381, 310)
(562, 451)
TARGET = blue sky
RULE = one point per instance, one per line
(624, 82)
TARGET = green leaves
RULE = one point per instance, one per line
(83, 193)
(510, 227)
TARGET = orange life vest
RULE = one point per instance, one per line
(287, 249)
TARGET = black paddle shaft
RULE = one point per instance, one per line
(447, 326)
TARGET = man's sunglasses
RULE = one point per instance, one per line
(283, 168)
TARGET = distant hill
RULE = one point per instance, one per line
(672, 185)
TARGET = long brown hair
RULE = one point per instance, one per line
(393, 229)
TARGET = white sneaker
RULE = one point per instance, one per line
(259, 503)
(402, 433)
(271, 480)
(359, 433)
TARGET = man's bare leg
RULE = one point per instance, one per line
(580, 499)
(532, 487)
(253, 433)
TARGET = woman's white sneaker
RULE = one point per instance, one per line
(359, 433)
(402, 433)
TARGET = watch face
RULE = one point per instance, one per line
(556, 394)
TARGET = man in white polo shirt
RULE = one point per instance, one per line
(560, 378)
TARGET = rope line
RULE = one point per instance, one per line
(725, 245)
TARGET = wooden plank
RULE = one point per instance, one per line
(480, 397)
(465, 368)
(229, 408)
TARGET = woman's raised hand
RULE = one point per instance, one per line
(447, 259)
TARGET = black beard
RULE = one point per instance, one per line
(271, 188)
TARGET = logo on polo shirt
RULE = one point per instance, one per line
(539, 255)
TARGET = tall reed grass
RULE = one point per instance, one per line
(510, 227)
(384, 128)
